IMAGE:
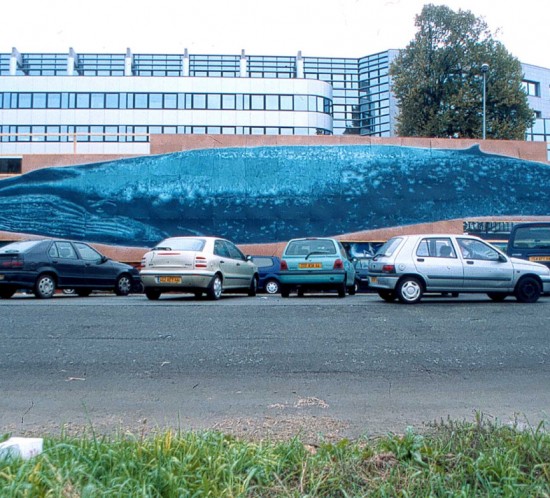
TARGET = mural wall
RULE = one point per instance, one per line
(270, 194)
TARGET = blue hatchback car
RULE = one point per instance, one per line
(268, 272)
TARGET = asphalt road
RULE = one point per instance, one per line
(267, 366)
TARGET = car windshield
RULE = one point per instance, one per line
(389, 247)
(307, 247)
(181, 244)
(18, 247)
(532, 238)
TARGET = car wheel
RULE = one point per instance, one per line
(83, 292)
(497, 296)
(272, 286)
(69, 292)
(409, 290)
(527, 290)
(388, 296)
(44, 287)
(152, 294)
(215, 288)
(253, 289)
(285, 291)
(123, 285)
(342, 289)
(352, 290)
(7, 293)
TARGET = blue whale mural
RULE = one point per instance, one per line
(270, 194)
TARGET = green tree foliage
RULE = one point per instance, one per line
(438, 82)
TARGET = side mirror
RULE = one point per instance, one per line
(502, 258)
(103, 259)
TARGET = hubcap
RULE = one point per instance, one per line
(411, 290)
(46, 286)
(124, 284)
(272, 287)
(217, 287)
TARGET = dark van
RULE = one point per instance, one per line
(530, 241)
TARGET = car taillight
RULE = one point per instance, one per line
(200, 262)
(284, 265)
(12, 263)
(338, 265)
(388, 269)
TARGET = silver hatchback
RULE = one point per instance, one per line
(197, 265)
(408, 266)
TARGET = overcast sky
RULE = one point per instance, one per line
(331, 28)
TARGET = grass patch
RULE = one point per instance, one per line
(451, 459)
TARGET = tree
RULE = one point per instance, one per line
(438, 81)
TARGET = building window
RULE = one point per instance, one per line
(10, 165)
(532, 88)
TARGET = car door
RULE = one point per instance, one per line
(484, 267)
(70, 268)
(437, 261)
(99, 271)
(241, 270)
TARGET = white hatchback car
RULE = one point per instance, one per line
(197, 265)
(408, 266)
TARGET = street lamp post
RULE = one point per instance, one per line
(484, 69)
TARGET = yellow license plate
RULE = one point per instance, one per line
(373, 280)
(170, 280)
(309, 265)
(539, 258)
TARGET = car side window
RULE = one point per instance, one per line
(220, 249)
(234, 251)
(87, 253)
(65, 250)
(436, 247)
(476, 249)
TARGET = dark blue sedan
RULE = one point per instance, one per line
(42, 266)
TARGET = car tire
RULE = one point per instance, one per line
(152, 294)
(497, 297)
(253, 289)
(123, 285)
(83, 292)
(285, 291)
(352, 289)
(272, 286)
(215, 288)
(44, 288)
(409, 290)
(528, 290)
(7, 293)
(388, 296)
(301, 292)
(342, 289)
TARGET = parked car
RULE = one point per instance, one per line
(530, 241)
(268, 273)
(316, 264)
(408, 266)
(197, 265)
(42, 266)
(361, 266)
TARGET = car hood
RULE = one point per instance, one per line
(523, 264)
